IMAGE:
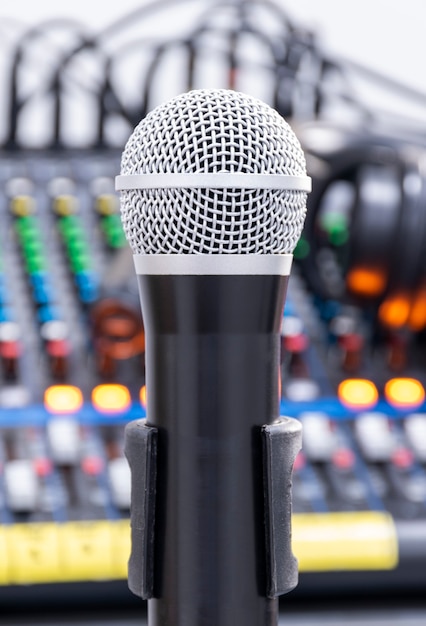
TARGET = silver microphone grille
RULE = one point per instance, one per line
(212, 132)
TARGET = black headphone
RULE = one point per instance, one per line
(382, 212)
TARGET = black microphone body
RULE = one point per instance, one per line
(212, 363)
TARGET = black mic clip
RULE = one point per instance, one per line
(281, 441)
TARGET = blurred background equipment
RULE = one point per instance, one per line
(72, 337)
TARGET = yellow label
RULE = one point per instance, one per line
(32, 552)
(100, 550)
(121, 547)
(72, 551)
(85, 551)
(364, 540)
(4, 560)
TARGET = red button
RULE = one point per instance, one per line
(343, 458)
(402, 458)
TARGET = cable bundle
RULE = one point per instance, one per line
(80, 88)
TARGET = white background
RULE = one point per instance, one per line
(384, 35)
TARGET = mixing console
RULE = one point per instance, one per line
(72, 375)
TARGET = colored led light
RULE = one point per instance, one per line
(403, 458)
(417, 317)
(302, 249)
(42, 466)
(111, 398)
(366, 281)
(113, 231)
(27, 231)
(80, 263)
(27, 221)
(32, 248)
(116, 239)
(63, 399)
(299, 461)
(76, 247)
(10, 349)
(107, 223)
(22, 205)
(70, 228)
(142, 396)
(42, 294)
(343, 458)
(35, 264)
(88, 285)
(404, 393)
(395, 310)
(358, 393)
(65, 205)
(336, 226)
(6, 314)
(46, 313)
(107, 203)
(92, 465)
(59, 348)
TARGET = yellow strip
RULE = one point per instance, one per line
(73, 551)
(33, 551)
(99, 550)
(4, 561)
(86, 551)
(364, 540)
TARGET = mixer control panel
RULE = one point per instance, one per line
(72, 375)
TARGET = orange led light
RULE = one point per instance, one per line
(417, 317)
(404, 392)
(142, 396)
(63, 399)
(358, 393)
(395, 310)
(366, 281)
(111, 398)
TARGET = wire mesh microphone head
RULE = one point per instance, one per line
(213, 131)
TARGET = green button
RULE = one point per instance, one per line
(117, 239)
(70, 228)
(36, 263)
(76, 247)
(80, 263)
(32, 247)
(302, 249)
(26, 228)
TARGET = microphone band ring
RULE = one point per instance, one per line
(219, 180)
(213, 264)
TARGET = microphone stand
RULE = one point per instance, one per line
(211, 464)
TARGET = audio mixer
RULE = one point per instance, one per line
(72, 376)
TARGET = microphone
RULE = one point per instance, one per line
(213, 193)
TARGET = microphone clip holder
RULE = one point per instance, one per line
(281, 441)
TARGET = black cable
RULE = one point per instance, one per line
(85, 44)
(144, 11)
(295, 60)
(106, 92)
(15, 102)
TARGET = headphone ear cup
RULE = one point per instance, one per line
(409, 255)
(388, 230)
(360, 192)
(373, 231)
